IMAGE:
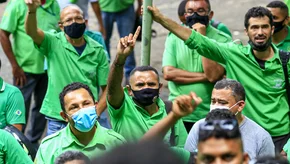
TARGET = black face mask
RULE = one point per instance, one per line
(75, 30)
(278, 26)
(195, 18)
(261, 47)
(145, 96)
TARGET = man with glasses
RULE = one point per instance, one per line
(71, 57)
(281, 35)
(186, 69)
(230, 94)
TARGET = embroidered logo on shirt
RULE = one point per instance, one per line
(18, 112)
(278, 83)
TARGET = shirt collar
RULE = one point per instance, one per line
(2, 85)
(287, 37)
(97, 141)
(247, 50)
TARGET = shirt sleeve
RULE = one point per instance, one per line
(47, 43)
(181, 134)
(169, 58)
(13, 152)
(10, 17)
(208, 48)
(103, 68)
(15, 111)
(115, 113)
(267, 147)
(39, 156)
(192, 139)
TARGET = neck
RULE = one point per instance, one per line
(280, 36)
(264, 55)
(240, 117)
(76, 42)
(151, 109)
(84, 137)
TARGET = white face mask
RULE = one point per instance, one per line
(212, 107)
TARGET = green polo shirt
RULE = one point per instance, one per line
(12, 108)
(132, 121)
(265, 88)
(13, 20)
(178, 55)
(285, 44)
(65, 66)
(222, 27)
(114, 5)
(54, 145)
(10, 150)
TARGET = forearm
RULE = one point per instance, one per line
(213, 71)
(31, 28)
(18, 126)
(180, 31)
(102, 104)
(184, 77)
(115, 91)
(159, 130)
(97, 11)
(7, 48)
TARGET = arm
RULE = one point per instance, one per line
(181, 76)
(18, 73)
(212, 70)
(98, 13)
(102, 105)
(182, 106)
(35, 33)
(115, 92)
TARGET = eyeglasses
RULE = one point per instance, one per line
(199, 12)
(71, 20)
(223, 124)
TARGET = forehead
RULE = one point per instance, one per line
(70, 11)
(76, 96)
(196, 4)
(217, 147)
(277, 12)
(144, 76)
(224, 94)
(259, 21)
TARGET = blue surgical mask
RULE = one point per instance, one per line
(85, 119)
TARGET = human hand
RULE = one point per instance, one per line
(32, 4)
(19, 76)
(185, 104)
(156, 15)
(200, 28)
(126, 45)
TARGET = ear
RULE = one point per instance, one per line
(246, 31)
(211, 13)
(160, 87)
(272, 31)
(86, 22)
(246, 158)
(64, 116)
(129, 90)
(241, 105)
(60, 25)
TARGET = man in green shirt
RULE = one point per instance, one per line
(83, 132)
(12, 109)
(27, 62)
(256, 66)
(11, 151)
(281, 36)
(135, 109)
(185, 69)
(71, 56)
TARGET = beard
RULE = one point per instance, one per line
(260, 46)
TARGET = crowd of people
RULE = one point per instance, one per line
(228, 102)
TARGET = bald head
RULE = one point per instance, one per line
(72, 8)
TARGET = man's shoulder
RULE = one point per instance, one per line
(112, 135)
(48, 140)
(218, 35)
(256, 128)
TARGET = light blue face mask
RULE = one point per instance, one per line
(85, 119)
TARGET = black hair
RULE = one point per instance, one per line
(217, 131)
(181, 8)
(219, 114)
(144, 69)
(271, 160)
(238, 91)
(70, 156)
(145, 152)
(258, 12)
(279, 4)
(72, 87)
